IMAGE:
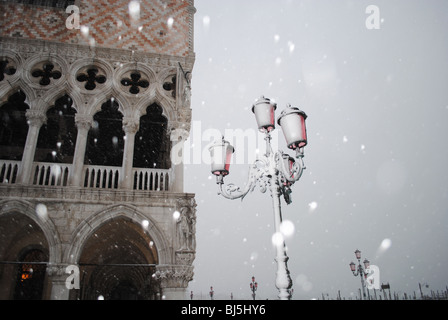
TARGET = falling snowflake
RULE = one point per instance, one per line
(41, 211)
(84, 30)
(291, 46)
(206, 21)
(134, 10)
(385, 244)
(277, 239)
(170, 22)
(287, 228)
(312, 206)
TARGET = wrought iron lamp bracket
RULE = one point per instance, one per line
(268, 169)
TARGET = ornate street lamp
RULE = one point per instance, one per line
(211, 293)
(359, 270)
(253, 287)
(292, 121)
(264, 111)
(221, 153)
(274, 171)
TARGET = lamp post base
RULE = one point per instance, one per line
(283, 281)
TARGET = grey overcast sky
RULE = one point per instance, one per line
(376, 177)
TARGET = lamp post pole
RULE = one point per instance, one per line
(275, 171)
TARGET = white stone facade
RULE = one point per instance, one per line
(130, 230)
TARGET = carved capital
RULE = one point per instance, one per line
(130, 125)
(35, 118)
(179, 135)
(56, 270)
(171, 276)
(184, 115)
(185, 257)
(83, 121)
(186, 202)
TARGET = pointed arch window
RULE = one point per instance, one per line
(152, 144)
(57, 138)
(13, 127)
(105, 142)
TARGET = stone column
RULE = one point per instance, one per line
(83, 123)
(58, 277)
(130, 127)
(178, 138)
(35, 120)
(174, 280)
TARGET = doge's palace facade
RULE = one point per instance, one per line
(88, 180)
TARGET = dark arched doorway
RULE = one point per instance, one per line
(118, 262)
(31, 275)
(24, 253)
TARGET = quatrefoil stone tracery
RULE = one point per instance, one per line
(134, 82)
(5, 69)
(46, 73)
(91, 78)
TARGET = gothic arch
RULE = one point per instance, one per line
(88, 227)
(13, 126)
(106, 138)
(57, 137)
(103, 97)
(47, 226)
(161, 100)
(152, 143)
(7, 90)
(51, 96)
(78, 99)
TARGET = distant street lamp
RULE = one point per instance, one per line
(360, 271)
(421, 291)
(276, 171)
(253, 287)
